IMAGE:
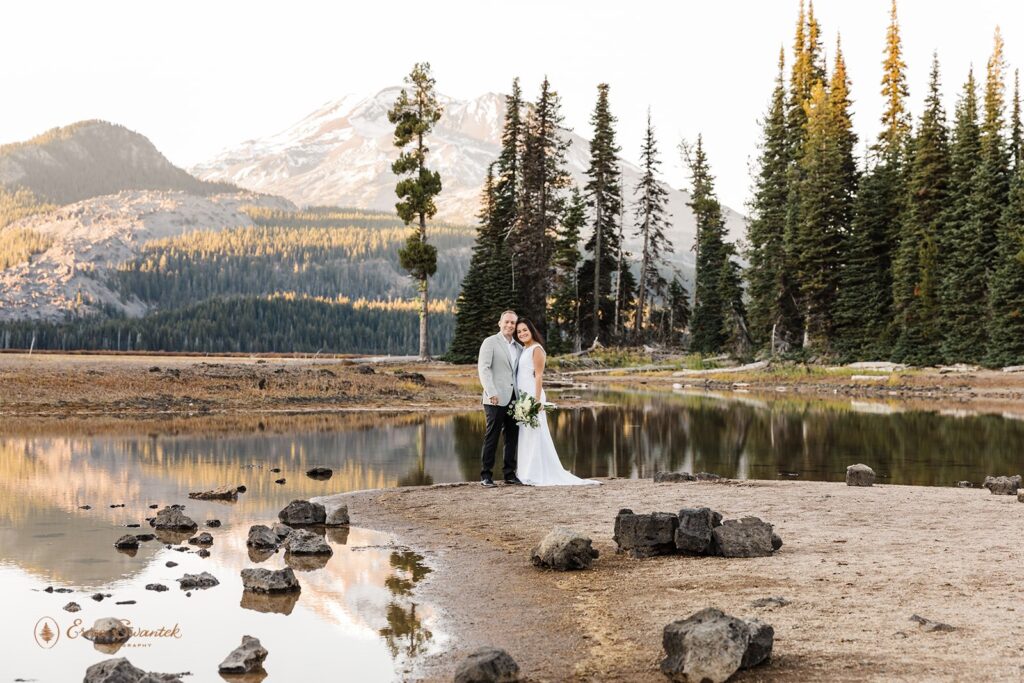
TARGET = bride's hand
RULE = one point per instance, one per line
(540, 402)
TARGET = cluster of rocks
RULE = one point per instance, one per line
(693, 531)
(710, 646)
(676, 477)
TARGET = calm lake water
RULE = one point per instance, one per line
(360, 615)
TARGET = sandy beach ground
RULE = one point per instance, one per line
(856, 565)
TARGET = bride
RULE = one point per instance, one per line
(537, 459)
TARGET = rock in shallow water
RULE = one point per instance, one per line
(860, 475)
(120, 670)
(488, 665)
(172, 519)
(261, 537)
(245, 658)
(127, 542)
(305, 542)
(107, 631)
(302, 513)
(269, 580)
(202, 580)
(219, 493)
(564, 549)
(72, 607)
(202, 539)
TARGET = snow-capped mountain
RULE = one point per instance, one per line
(341, 155)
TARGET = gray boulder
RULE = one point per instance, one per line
(127, 542)
(711, 646)
(1020, 496)
(694, 535)
(245, 658)
(107, 631)
(172, 519)
(672, 477)
(645, 535)
(319, 472)
(302, 513)
(260, 536)
(859, 475)
(219, 493)
(337, 515)
(759, 648)
(564, 549)
(488, 665)
(203, 580)
(202, 539)
(269, 580)
(1003, 486)
(747, 537)
(120, 670)
(72, 607)
(305, 542)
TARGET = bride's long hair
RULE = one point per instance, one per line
(533, 331)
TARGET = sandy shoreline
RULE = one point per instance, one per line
(857, 564)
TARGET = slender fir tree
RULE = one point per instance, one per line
(564, 313)
(651, 219)
(769, 284)
(487, 286)
(712, 298)
(414, 114)
(603, 200)
(678, 312)
(1006, 290)
(959, 249)
(827, 187)
(544, 181)
(916, 267)
(507, 180)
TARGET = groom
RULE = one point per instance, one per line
(496, 365)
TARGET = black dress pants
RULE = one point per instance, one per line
(499, 420)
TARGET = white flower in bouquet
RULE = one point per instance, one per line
(526, 410)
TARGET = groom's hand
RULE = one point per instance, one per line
(494, 400)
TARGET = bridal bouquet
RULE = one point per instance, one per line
(526, 410)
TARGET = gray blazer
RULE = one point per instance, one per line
(497, 372)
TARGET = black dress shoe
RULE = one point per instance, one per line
(513, 481)
(488, 482)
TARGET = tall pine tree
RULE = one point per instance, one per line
(826, 192)
(604, 201)
(541, 202)
(712, 294)
(959, 249)
(414, 114)
(770, 285)
(507, 180)
(916, 276)
(487, 286)
(564, 313)
(864, 313)
(651, 219)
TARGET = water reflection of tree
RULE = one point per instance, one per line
(405, 634)
(418, 475)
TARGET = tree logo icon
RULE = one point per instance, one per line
(47, 633)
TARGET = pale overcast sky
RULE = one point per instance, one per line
(196, 77)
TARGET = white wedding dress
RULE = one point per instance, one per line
(536, 457)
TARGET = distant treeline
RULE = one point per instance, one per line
(252, 324)
(320, 252)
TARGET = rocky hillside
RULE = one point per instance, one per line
(90, 159)
(73, 249)
(341, 155)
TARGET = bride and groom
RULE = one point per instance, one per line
(511, 363)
